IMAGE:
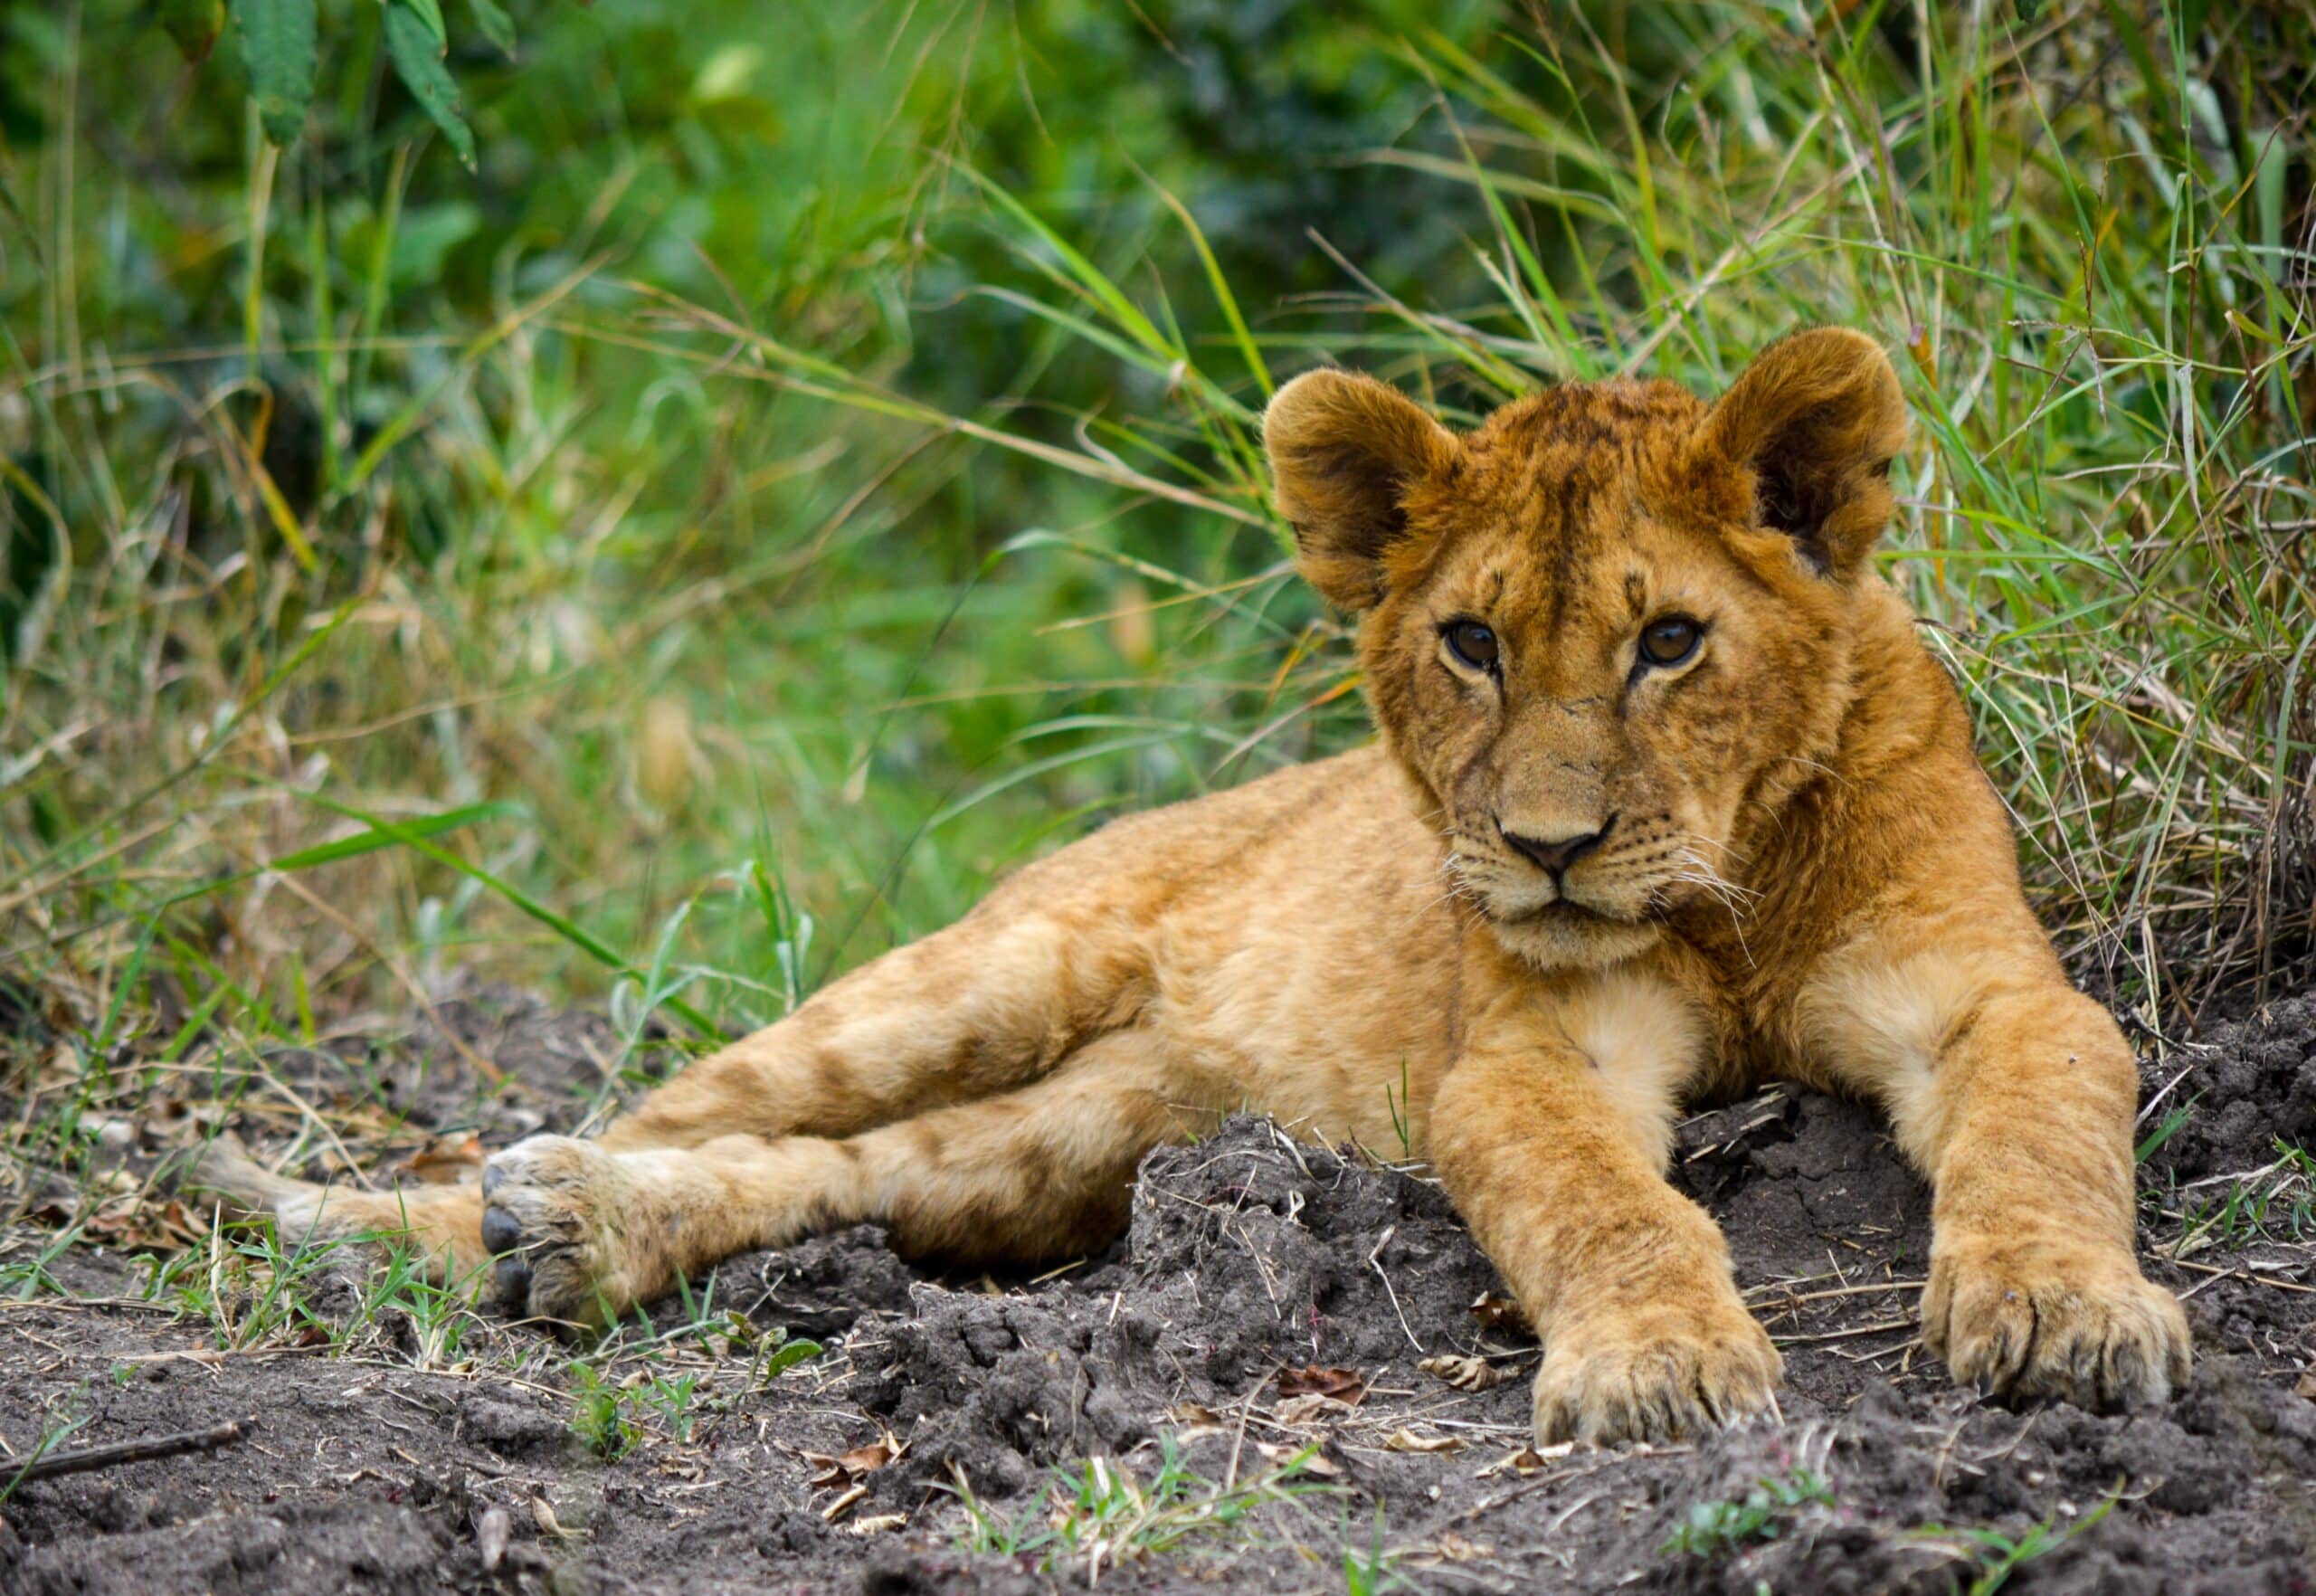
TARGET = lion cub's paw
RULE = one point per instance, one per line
(558, 1212)
(2029, 1320)
(1654, 1373)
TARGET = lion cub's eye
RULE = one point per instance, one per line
(1670, 640)
(1471, 642)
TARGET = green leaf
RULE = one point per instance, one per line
(430, 12)
(195, 24)
(278, 52)
(417, 53)
(789, 1355)
(496, 25)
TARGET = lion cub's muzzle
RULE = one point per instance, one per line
(1555, 858)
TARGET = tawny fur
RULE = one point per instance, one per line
(1803, 875)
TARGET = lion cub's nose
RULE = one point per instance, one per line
(1554, 857)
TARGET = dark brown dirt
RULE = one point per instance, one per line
(390, 1462)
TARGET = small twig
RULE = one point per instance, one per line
(1868, 1291)
(2241, 1272)
(1239, 1442)
(1845, 1335)
(82, 1459)
(1375, 1262)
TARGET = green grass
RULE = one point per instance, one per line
(63, 1420)
(1100, 1513)
(512, 597)
(2277, 1203)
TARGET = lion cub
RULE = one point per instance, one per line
(1666, 799)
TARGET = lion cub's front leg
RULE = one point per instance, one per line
(1551, 1134)
(2034, 1286)
(2014, 1094)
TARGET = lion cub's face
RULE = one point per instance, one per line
(1603, 633)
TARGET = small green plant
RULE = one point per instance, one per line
(439, 1315)
(775, 1354)
(1997, 1556)
(1100, 1513)
(63, 1420)
(2165, 1130)
(29, 1278)
(600, 1417)
(279, 44)
(251, 1289)
(2277, 1203)
(1716, 1529)
(1397, 1102)
(1368, 1572)
(671, 1397)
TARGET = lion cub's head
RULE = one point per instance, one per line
(1608, 631)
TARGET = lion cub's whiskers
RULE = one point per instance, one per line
(1460, 885)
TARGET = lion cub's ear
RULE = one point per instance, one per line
(1817, 418)
(1345, 451)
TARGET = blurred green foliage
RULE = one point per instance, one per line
(807, 463)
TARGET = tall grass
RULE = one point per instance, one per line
(637, 626)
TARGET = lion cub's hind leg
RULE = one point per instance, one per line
(584, 1230)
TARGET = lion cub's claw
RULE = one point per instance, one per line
(545, 1201)
(2032, 1321)
(1655, 1373)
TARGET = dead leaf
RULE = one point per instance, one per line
(1409, 1440)
(843, 1504)
(1315, 1463)
(2307, 1386)
(1466, 1373)
(151, 1224)
(543, 1515)
(1528, 1459)
(1307, 1409)
(877, 1523)
(848, 1469)
(447, 1160)
(1496, 1312)
(1339, 1385)
(1192, 1418)
(119, 1133)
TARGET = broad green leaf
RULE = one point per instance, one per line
(496, 24)
(278, 52)
(789, 1355)
(430, 12)
(195, 24)
(418, 57)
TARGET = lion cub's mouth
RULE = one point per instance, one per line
(1561, 911)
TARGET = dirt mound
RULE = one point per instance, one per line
(1252, 1379)
(2232, 1099)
